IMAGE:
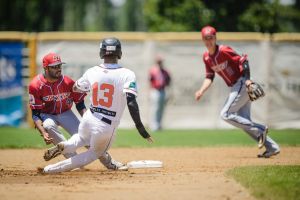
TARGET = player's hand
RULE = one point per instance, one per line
(47, 138)
(150, 140)
(248, 82)
(198, 95)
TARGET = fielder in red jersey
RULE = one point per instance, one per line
(225, 62)
(51, 98)
(235, 71)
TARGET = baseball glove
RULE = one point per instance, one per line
(255, 91)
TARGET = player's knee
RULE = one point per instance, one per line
(224, 116)
(49, 124)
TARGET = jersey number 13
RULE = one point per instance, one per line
(108, 92)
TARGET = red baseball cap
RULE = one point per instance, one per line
(208, 31)
(52, 59)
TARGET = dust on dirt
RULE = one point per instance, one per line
(188, 173)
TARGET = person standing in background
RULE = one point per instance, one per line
(159, 79)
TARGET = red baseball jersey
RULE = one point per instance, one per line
(53, 98)
(225, 62)
(159, 78)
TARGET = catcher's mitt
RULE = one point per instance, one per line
(255, 91)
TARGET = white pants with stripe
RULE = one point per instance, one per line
(237, 112)
(93, 132)
(67, 120)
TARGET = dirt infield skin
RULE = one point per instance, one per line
(188, 173)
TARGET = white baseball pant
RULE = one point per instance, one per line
(236, 111)
(93, 132)
(67, 120)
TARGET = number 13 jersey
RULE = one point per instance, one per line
(109, 84)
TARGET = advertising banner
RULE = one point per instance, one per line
(11, 90)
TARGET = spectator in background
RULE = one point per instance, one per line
(159, 79)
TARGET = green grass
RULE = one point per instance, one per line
(29, 138)
(20, 138)
(270, 182)
(204, 138)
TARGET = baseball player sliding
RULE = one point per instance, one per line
(51, 98)
(235, 71)
(112, 87)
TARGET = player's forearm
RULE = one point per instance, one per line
(205, 85)
(37, 119)
(135, 115)
(39, 125)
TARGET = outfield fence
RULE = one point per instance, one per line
(274, 61)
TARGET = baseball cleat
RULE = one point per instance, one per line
(262, 138)
(112, 164)
(122, 168)
(268, 154)
(53, 151)
(115, 165)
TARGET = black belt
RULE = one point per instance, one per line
(103, 111)
(104, 119)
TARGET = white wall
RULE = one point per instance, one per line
(273, 64)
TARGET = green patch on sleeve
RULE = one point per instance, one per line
(132, 85)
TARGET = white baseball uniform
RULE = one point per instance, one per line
(108, 83)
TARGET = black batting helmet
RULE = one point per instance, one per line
(110, 46)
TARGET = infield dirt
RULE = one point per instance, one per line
(188, 173)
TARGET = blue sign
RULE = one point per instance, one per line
(11, 88)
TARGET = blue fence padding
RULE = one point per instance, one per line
(11, 88)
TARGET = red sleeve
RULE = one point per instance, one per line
(242, 60)
(77, 96)
(210, 74)
(35, 101)
(233, 56)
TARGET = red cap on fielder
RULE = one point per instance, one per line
(208, 31)
(52, 59)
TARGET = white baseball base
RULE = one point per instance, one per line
(137, 164)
